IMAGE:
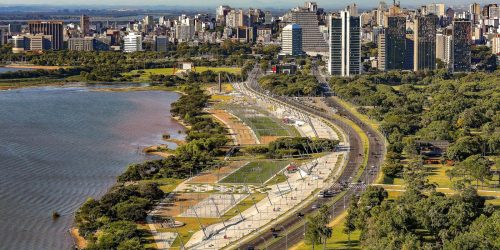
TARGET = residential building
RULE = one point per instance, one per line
(444, 47)
(424, 57)
(291, 40)
(132, 42)
(235, 18)
(435, 9)
(495, 44)
(52, 28)
(475, 11)
(344, 45)
(221, 13)
(462, 40)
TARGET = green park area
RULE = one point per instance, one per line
(143, 74)
(256, 172)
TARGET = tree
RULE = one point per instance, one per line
(130, 244)
(477, 167)
(464, 147)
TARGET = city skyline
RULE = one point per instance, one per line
(278, 4)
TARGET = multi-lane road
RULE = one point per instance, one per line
(292, 233)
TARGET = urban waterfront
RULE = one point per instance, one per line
(60, 146)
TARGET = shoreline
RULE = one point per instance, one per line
(79, 241)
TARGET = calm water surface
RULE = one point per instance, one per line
(59, 146)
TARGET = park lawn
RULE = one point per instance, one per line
(266, 126)
(279, 178)
(170, 71)
(244, 205)
(339, 239)
(256, 172)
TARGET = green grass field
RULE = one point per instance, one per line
(170, 71)
(255, 172)
(260, 121)
(265, 126)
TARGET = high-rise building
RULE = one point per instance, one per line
(81, 44)
(475, 11)
(268, 17)
(132, 43)
(486, 9)
(410, 45)
(84, 25)
(345, 44)
(435, 9)
(462, 39)
(291, 40)
(312, 39)
(444, 47)
(160, 43)
(495, 44)
(392, 44)
(51, 28)
(424, 57)
(221, 13)
(235, 18)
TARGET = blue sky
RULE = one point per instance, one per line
(236, 3)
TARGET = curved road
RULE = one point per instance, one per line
(356, 155)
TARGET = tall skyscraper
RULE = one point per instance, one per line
(132, 43)
(345, 44)
(52, 28)
(312, 39)
(424, 57)
(392, 44)
(292, 40)
(84, 25)
(462, 39)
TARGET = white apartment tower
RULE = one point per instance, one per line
(291, 39)
(132, 43)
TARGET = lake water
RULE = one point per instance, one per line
(59, 146)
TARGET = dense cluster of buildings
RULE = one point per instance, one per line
(405, 39)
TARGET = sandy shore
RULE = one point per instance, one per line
(80, 242)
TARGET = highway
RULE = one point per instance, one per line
(376, 151)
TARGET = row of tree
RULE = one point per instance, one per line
(291, 85)
(294, 146)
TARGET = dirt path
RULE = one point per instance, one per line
(242, 134)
